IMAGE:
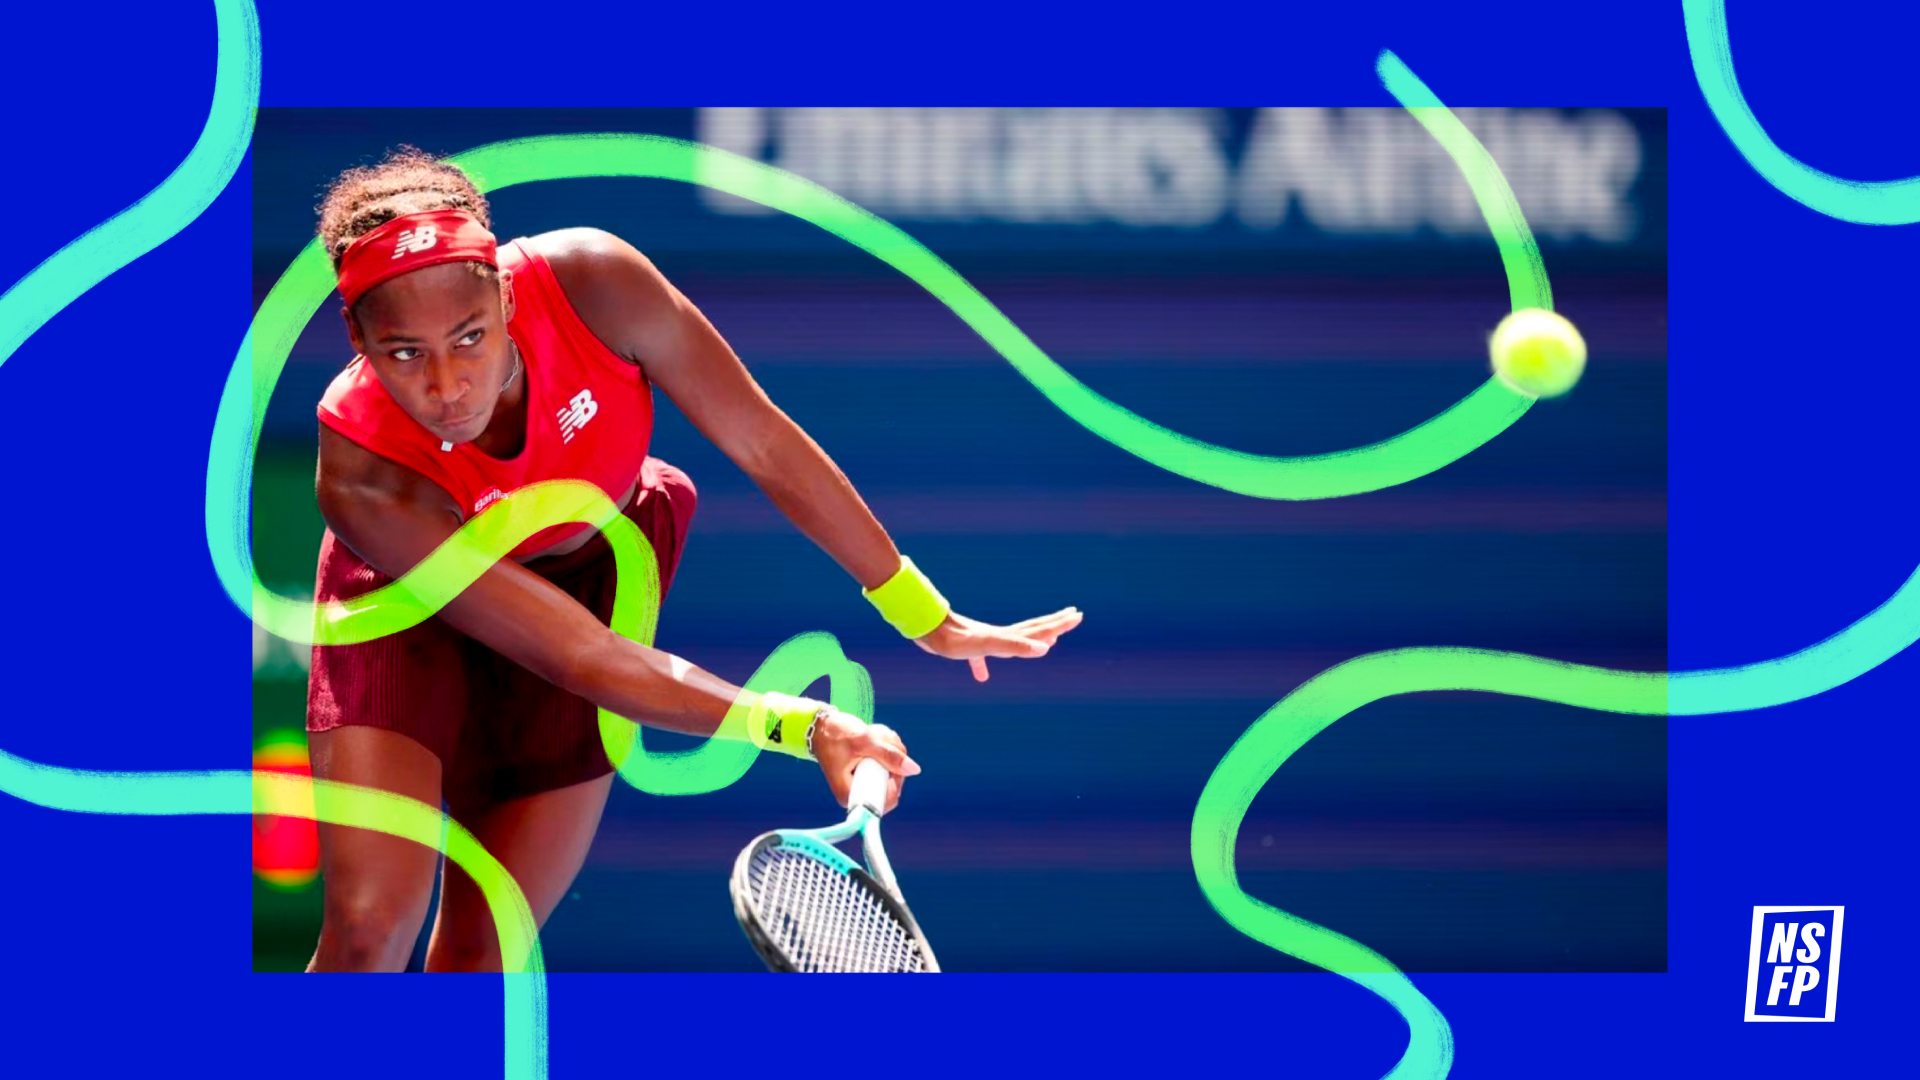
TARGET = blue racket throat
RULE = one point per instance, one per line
(813, 845)
(806, 906)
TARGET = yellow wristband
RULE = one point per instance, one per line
(780, 721)
(909, 601)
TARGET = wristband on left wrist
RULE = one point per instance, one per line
(909, 602)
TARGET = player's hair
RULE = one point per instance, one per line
(407, 181)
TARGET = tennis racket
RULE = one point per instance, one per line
(805, 906)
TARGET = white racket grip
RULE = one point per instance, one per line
(869, 788)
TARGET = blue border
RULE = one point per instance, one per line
(1791, 397)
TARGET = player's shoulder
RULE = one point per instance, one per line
(354, 389)
(610, 286)
(586, 250)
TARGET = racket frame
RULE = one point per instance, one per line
(865, 802)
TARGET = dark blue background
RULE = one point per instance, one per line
(1790, 398)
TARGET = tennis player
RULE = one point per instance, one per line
(481, 368)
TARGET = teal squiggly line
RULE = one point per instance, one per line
(183, 196)
(233, 792)
(56, 283)
(1271, 740)
(1483, 414)
(1274, 737)
(1297, 718)
(1283, 729)
(1294, 720)
(1881, 202)
(1877, 637)
(1895, 625)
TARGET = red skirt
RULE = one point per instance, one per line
(500, 731)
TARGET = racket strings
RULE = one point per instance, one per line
(825, 920)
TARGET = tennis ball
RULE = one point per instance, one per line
(1538, 353)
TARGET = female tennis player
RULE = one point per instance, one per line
(481, 368)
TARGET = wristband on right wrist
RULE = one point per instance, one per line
(784, 722)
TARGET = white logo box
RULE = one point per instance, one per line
(1833, 963)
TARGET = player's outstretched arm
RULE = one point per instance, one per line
(639, 314)
(393, 518)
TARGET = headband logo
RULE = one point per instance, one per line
(417, 240)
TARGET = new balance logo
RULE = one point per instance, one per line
(412, 240)
(1793, 967)
(575, 416)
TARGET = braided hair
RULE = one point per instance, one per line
(408, 181)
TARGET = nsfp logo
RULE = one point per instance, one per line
(1793, 967)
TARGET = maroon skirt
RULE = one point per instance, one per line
(500, 731)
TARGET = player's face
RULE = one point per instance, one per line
(437, 339)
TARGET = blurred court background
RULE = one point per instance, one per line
(1281, 281)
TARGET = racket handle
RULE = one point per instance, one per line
(869, 788)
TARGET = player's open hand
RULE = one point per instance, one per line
(840, 740)
(961, 638)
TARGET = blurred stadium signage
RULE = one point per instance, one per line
(1063, 191)
(1345, 172)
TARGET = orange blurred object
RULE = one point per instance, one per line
(286, 850)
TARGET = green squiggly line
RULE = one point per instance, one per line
(1439, 441)
(307, 283)
(1883, 202)
(238, 792)
(1265, 746)
(480, 542)
(183, 196)
(1519, 253)
(1283, 729)
(1297, 718)
(57, 282)
(1466, 425)
(725, 757)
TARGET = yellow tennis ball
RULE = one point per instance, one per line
(1538, 353)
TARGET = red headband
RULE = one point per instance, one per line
(410, 242)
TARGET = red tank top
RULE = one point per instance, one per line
(589, 414)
